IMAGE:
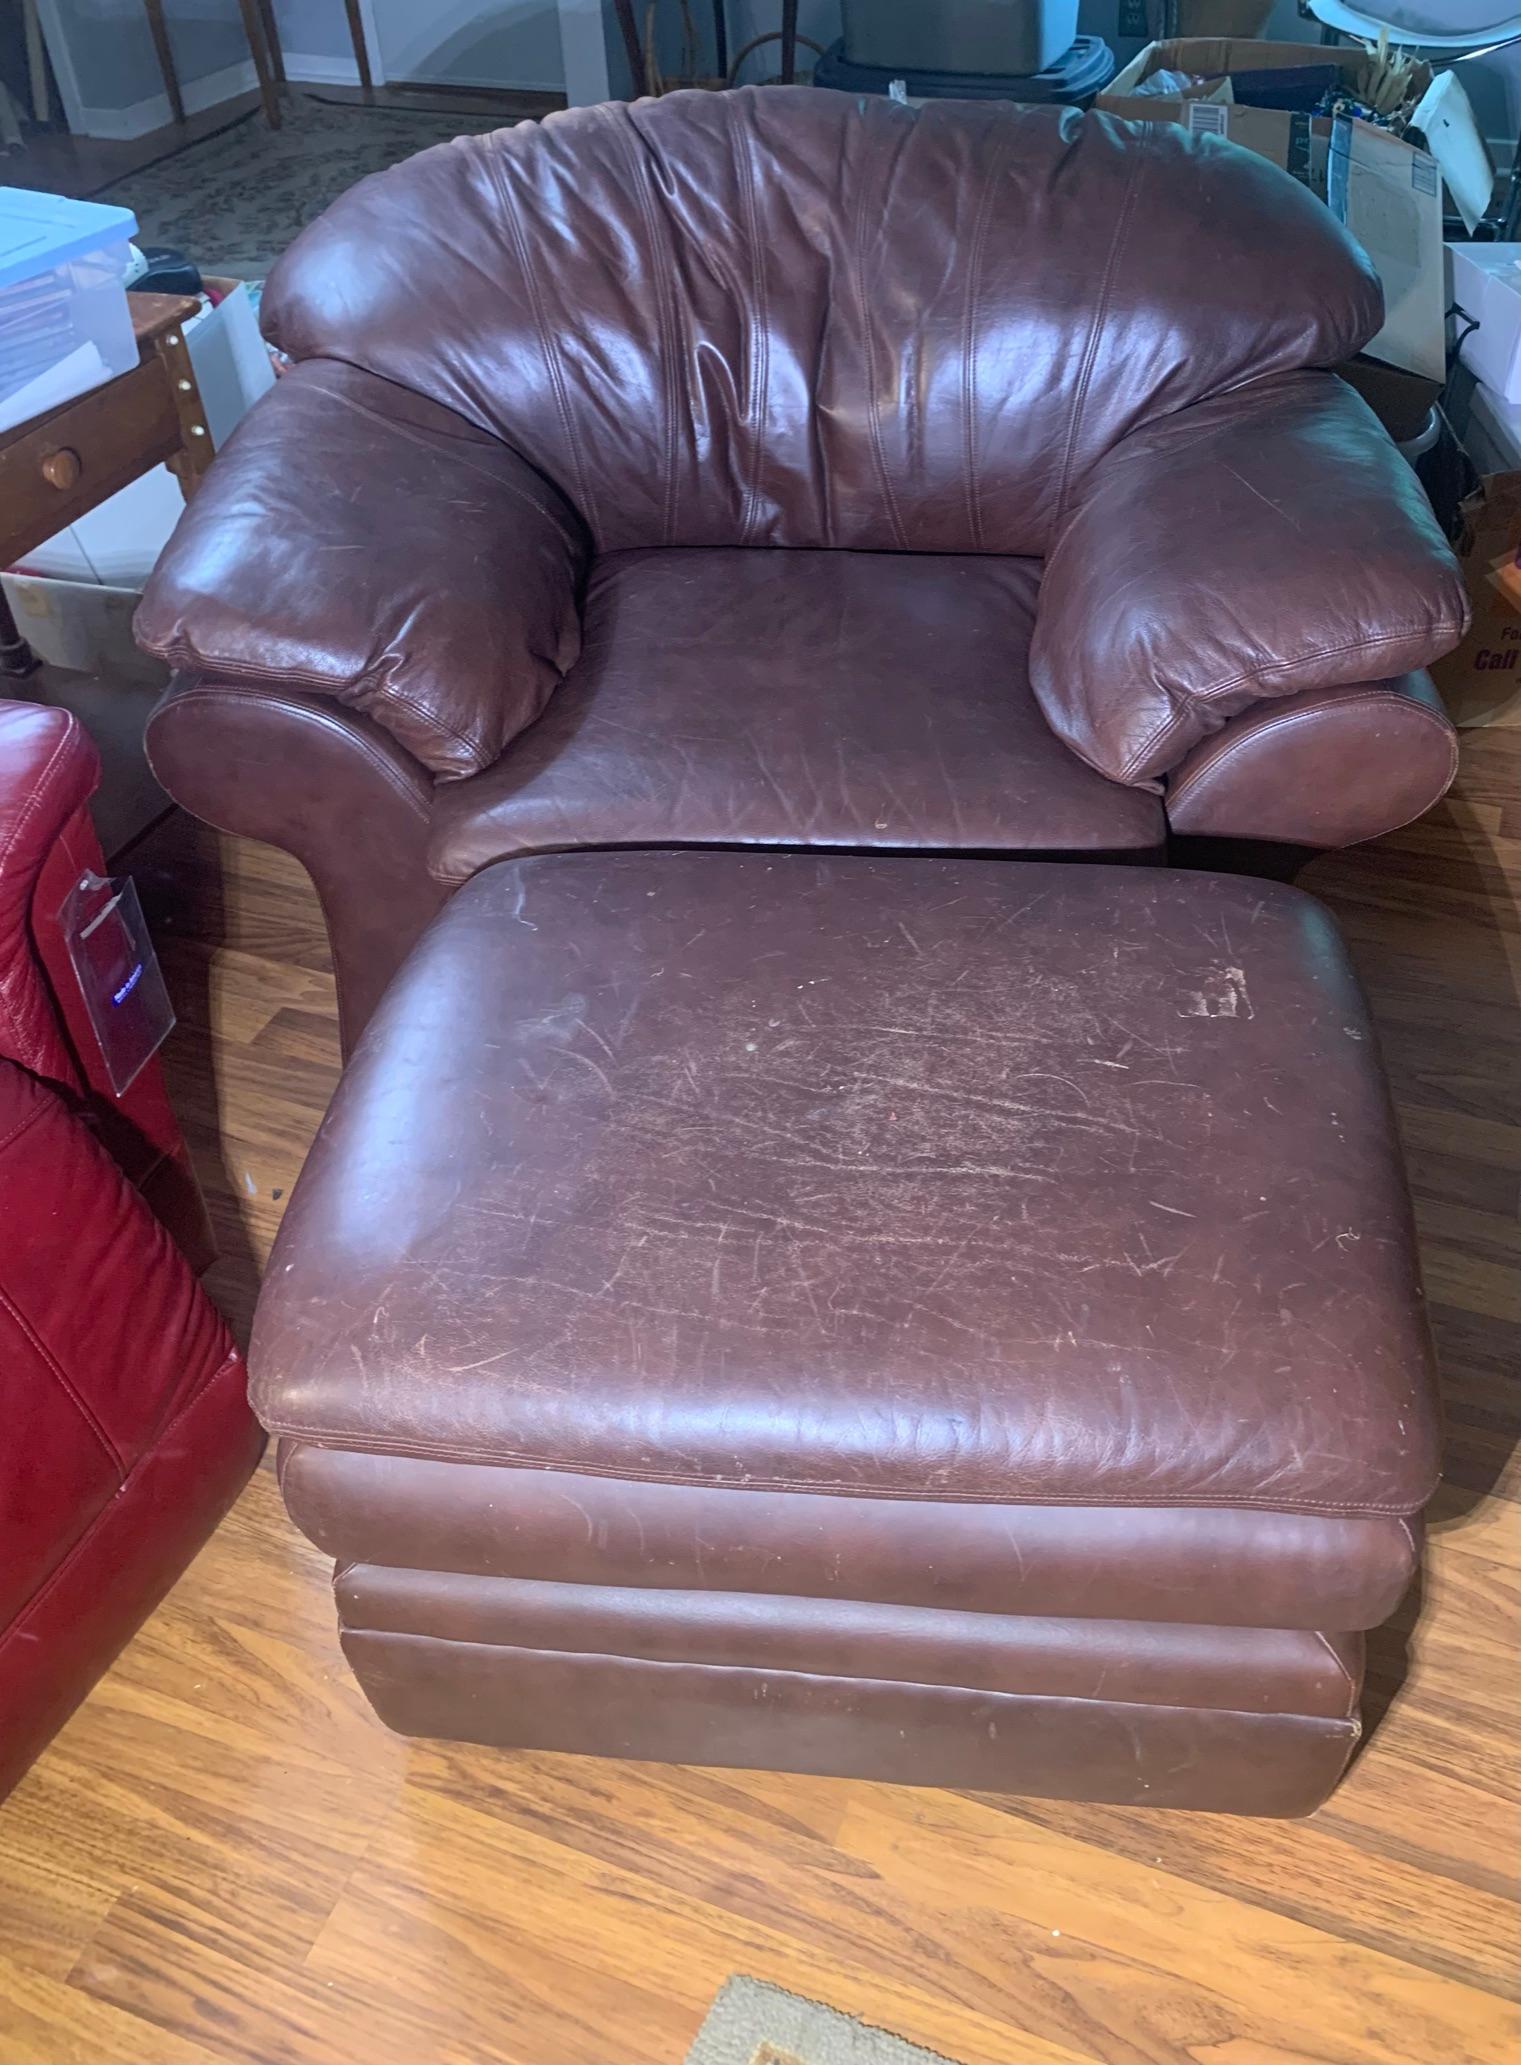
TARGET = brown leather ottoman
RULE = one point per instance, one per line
(936, 1320)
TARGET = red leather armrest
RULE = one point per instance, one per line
(1330, 767)
(48, 772)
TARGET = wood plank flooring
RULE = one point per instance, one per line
(225, 1857)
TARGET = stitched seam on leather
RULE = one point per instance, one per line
(28, 1119)
(547, 344)
(1100, 318)
(189, 1404)
(1322, 652)
(972, 315)
(868, 346)
(56, 1577)
(666, 318)
(352, 1443)
(1219, 688)
(316, 714)
(179, 653)
(1331, 1722)
(37, 800)
(1342, 1672)
(1287, 720)
(760, 337)
(61, 1378)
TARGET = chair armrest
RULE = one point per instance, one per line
(1331, 767)
(48, 772)
(358, 541)
(325, 784)
(1264, 543)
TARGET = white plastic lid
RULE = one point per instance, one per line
(38, 231)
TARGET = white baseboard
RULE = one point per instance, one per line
(141, 116)
(479, 85)
(321, 71)
(342, 71)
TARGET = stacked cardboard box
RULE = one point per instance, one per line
(1387, 191)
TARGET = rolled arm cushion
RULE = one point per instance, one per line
(1330, 767)
(1257, 545)
(355, 539)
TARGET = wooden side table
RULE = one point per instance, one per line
(58, 465)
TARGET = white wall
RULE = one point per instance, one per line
(108, 75)
(110, 83)
(467, 42)
(449, 42)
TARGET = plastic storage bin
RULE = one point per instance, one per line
(64, 321)
(1006, 38)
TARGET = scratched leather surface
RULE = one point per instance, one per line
(782, 698)
(905, 1176)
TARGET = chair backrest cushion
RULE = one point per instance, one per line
(784, 316)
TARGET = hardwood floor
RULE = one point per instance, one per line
(224, 1856)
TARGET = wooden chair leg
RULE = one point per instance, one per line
(361, 48)
(253, 29)
(36, 61)
(633, 49)
(272, 40)
(158, 29)
(721, 38)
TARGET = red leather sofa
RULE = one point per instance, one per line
(124, 1426)
(781, 468)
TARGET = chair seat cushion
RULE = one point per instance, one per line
(905, 1179)
(770, 698)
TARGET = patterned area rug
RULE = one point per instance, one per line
(235, 200)
(753, 2023)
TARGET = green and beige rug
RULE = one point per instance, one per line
(233, 201)
(753, 2023)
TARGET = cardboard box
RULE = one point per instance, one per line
(1389, 195)
(1484, 285)
(1386, 191)
(1481, 680)
(1299, 143)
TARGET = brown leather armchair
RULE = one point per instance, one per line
(779, 468)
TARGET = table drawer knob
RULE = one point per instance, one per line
(61, 469)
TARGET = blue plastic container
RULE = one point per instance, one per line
(64, 321)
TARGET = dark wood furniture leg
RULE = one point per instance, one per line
(253, 29)
(158, 29)
(272, 40)
(361, 48)
(17, 659)
(632, 49)
(789, 42)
